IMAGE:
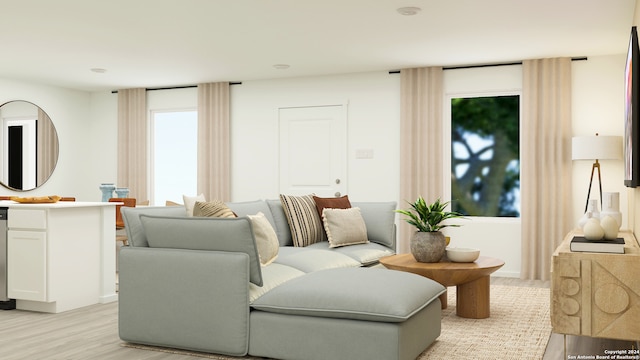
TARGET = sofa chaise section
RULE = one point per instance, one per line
(347, 313)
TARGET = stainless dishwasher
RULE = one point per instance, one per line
(5, 302)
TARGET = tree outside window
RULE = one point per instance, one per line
(485, 156)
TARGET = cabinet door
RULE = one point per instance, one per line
(26, 265)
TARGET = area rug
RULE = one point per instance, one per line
(518, 328)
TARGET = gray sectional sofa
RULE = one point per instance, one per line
(197, 284)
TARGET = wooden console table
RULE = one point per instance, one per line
(596, 294)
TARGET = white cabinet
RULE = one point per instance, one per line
(60, 256)
(29, 280)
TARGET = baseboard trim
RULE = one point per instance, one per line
(506, 273)
(108, 298)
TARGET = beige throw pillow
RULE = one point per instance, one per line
(215, 208)
(304, 222)
(266, 238)
(344, 227)
(190, 201)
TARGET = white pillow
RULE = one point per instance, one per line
(344, 227)
(190, 202)
(266, 238)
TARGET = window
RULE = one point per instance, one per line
(485, 156)
(174, 155)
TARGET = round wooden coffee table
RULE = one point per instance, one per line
(471, 280)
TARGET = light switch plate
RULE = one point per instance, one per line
(364, 153)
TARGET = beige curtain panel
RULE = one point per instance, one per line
(132, 143)
(421, 145)
(214, 153)
(545, 173)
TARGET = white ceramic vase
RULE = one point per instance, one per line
(592, 212)
(611, 207)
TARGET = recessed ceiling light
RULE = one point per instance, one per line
(99, 70)
(408, 10)
(281, 66)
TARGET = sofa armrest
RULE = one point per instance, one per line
(190, 299)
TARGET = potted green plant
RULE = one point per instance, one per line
(428, 243)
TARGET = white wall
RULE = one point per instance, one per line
(373, 116)
(87, 128)
(103, 130)
(598, 107)
(69, 112)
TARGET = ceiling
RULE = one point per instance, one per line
(159, 43)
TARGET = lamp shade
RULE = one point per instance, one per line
(596, 148)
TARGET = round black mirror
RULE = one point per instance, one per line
(28, 146)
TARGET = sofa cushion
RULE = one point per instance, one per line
(380, 218)
(281, 224)
(214, 208)
(266, 239)
(273, 276)
(198, 233)
(310, 260)
(344, 227)
(133, 226)
(251, 208)
(304, 221)
(366, 254)
(353, 293)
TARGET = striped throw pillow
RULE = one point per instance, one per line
(214, 208)
(304, 221)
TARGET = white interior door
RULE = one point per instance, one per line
(313, 150)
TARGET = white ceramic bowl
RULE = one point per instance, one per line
(457, 254)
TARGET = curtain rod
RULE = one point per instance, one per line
(581, 58)
(177, 87)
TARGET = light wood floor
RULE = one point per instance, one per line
(92, 333)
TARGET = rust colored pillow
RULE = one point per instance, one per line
(331, 203)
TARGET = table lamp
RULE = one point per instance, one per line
(596, 148)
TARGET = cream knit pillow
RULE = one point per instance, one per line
(266, 238)
(344, 227)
